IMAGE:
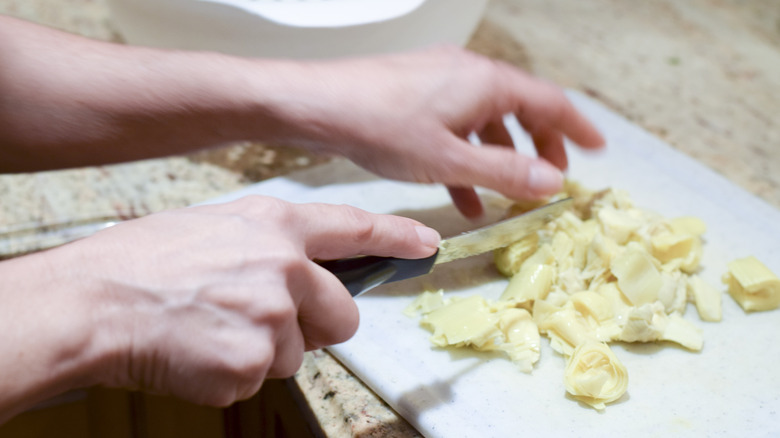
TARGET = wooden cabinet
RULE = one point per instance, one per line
(278, 410)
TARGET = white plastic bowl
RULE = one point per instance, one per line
(296, 28)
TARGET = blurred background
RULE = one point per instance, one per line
(703, 75)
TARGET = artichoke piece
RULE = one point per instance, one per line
(674, 292)
(594, 375)
(645, 323)
(669, 246)
(619, 225)
(509, 259)
(753, 285)
(565, 327)
(650, 323)
(426, 302)
(706, 297)
(637, 276)
(592, 306)
(532, 283)
(683, 332)
(461, 322)
(521, 338)
(688, 225)
(473, 322)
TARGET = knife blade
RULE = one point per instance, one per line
(363, 273)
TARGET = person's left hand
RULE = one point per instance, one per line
(407, 117)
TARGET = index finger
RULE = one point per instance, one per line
(540, 106)
(338, 231)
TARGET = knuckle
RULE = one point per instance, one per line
(279, 313)
(361, 224)
(258, 206)
(291, 365)
(252, 367)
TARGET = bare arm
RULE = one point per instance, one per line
(70, 101)
(222, 295)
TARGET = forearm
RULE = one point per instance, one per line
(69, 101)
(49, 344)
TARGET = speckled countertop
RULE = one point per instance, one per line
(704, 75)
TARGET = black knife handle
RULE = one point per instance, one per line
(360, 274)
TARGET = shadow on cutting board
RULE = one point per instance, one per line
(425, 397)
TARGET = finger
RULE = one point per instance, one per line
(327, 314)
(539, 103)
(333, 231)
(549, 145)
(502, 169)
(496, 133)
(288, 354)
(465, 198)
(466, 201)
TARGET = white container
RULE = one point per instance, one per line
(296, 28)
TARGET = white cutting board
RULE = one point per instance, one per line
(731, 388)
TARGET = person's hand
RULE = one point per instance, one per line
(403, 116)
(203, 303)
(408, 116)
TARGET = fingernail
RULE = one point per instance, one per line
(428, 236)
(544, 178)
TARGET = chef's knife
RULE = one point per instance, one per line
(360, 274)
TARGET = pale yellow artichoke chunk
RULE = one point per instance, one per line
(752, 284)
(594, 375)
(476, 323)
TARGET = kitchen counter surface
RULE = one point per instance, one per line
(703, 75)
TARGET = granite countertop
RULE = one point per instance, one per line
(703, 75)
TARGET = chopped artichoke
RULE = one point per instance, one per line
(637, 276)
(592, 306)
(473, 322)
(706, 298)
(752, 284)
(673, 293)
(594, 375)
(603, 271)
(683, 332)
(688, 225)
(521, 338)
(668, 246)
(566, 329)
(619, 225)
(645, 323)
(509, 259)
(466, 321)
(531, 283)
(425, 303)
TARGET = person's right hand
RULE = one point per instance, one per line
(203, 303)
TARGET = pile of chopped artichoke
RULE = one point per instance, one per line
(604, 271)
(473, 322)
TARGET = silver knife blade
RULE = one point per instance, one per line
(500, 234)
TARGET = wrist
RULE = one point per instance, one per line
(52, 345)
